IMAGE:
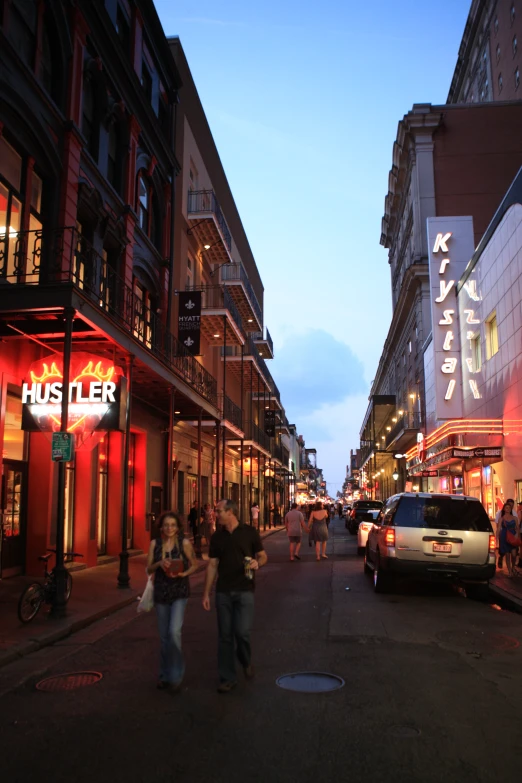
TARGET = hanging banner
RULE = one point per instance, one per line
(189, 320)
(270, 422)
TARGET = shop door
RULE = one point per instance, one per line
(12, 497)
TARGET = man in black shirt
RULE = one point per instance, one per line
(234, 591)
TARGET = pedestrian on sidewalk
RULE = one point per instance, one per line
(254, 514)
(340, 510)
(319, 530)
(209, 522)
(172, 560)
(507, 523)
(519, 531)
(193, 520)
(294, 521)
(235, 554)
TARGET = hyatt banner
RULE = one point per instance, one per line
(270, 423)
(189, 320)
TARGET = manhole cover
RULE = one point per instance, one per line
(68, 682)
(310, 682)
(478, 641)
(404, 731)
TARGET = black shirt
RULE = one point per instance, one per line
(230, 549)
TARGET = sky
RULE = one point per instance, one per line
(303, 100)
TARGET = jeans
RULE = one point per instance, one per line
(170, 623)
(235, 613)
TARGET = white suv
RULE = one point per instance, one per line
(432, 536)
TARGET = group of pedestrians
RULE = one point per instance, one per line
(235, 554)
(316, 526)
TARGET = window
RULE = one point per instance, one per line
(89, 117)
(23, 22)
(409, 346)
(146, 81)
(142, 314)
(512, 13)
(485, 57)
(514, 45)
(491, 336)
(500, 82)
(495, 25)
(123, 29)
(101, 504)
(498, 52)
(114, 157)
(517, 78)
(476, 353)
(143, 204)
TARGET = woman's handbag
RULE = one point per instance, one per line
(512, 540)
(146, 602)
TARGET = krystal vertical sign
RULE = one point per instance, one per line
(189, 320)
(451, 245)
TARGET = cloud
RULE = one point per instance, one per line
(313, 370)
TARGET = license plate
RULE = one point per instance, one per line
(442, 547)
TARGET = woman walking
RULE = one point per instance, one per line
(171, 560)
(319, 530)
(507, 523)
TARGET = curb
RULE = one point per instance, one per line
(513, 601)
(19, 651)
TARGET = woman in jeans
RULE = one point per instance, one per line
(171, 560)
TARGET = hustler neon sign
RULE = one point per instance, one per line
(94, 395)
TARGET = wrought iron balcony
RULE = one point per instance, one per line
(255, 372)
(404, 431)
(63, 256)
(216, 304)
(254, 435)
(209, 225)
(230, 412)
(236, 279)
(265, 344)
(277, 450)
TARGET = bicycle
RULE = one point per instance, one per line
(37, 593)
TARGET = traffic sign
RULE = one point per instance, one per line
(62, 446)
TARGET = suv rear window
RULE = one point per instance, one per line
(364, 504)
(444, 512)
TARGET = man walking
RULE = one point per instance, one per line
(254, 513)
(235, 554)
(294, 521)
(193, 519)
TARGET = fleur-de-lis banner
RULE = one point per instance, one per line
(189, 320)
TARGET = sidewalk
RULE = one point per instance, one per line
(506, 589)
(95, 595)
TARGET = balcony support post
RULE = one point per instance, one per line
(250, 498)
(258, 484)
(224, 392)
(218, 444)
(123, 575)
(170, 448)
(241, 494)
(197, 537)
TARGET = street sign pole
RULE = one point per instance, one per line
(59, 598)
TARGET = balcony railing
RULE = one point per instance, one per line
(366, 450)
(259, 336)
(236, 273)
(63, 256)
(200, 201)
(410, 421)
(230, 411)
(217, 297)
(256, 434)
(277, 450)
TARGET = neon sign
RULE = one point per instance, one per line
(96, 392)
(450, 243)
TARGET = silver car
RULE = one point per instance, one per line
(432, 536)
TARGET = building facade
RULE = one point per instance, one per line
(447, 160)
(488, 64)
(110, 190)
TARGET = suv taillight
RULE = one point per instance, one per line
(389, 536)
(492, 545)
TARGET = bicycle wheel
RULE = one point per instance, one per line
(30, 602)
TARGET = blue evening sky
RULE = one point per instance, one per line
(303, 99)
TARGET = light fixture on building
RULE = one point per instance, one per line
(389, 429)
(382, 437)
(395, 475)
(412, 396)
(216, 335)
(207, 247)
(250, 320)
(176, 413)
(394, 420)
(399, 456)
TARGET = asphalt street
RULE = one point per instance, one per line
(432, 689)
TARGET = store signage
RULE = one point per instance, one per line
(62, 447)
(456, 453)
(479, 453)
(97, 395)
(189, 320)
(451, 245)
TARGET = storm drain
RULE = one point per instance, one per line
(310, 682)
(68, 682)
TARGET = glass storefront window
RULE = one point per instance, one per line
(13, 434)
(101, 510)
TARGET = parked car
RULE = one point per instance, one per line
(359, 508)
(432, 536)
(365, 525)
